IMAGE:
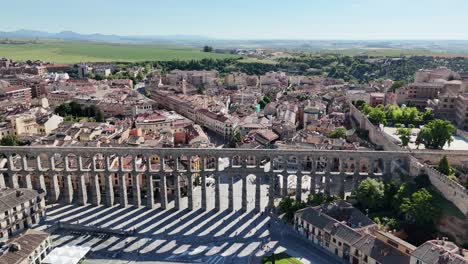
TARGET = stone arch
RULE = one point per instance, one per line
(184, 183)
(236, 161)
(308, 184)
(71, 159)
(379, 166)
(349, 184)
(291, 184)
(183, 162)
(364, 165)
(348, 166)
(127, 162)
(169, 163)
(16, 161)
(251, 161)
(263, 161)
(321, 164)
(308, 163)
(154, 162)
(194, 162)
(277, 178)
(43, 162)
(279, 164)
(293, 163)
(211, 162)
(334, 164)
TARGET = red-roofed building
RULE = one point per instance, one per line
(17, 93)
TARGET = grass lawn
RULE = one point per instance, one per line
(75, 52)
(281, 258)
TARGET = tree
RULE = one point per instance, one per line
(338, 133)
(267, 99)
(396, 85)
(405, 134)
(390, 190)
(262, 104)
(360, 103)
(99, 116)
(201, 89)
(370, 193)
(377, 115)
(289, 206)
(236, 139)
(394, 113)
(320, 198)
(428, 115)
(207, 48)
(436, 134)
(444, 166)
(419, 208)
(99, 77)
(10, 140)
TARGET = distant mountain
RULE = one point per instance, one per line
(71, 35)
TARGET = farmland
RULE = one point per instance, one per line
(75, 52)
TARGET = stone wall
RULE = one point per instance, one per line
(455, 157)
(375, 135)
(451, 190)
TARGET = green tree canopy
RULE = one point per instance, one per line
(267, 99)
(339, 132)
(396, 85)
(377, 115)
(360, 103)
(444, 166)
(207, 48)
(10, 140)
(436, 134)
(405, 134)
(289, 206)
(370, 193)
(419, 207)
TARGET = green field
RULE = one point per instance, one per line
(75, 52)
(281, 258)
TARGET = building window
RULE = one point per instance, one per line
(393, 244)
(365, 258)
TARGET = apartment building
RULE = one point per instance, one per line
(160, 121)
(461, 111)
(31, 123)
(417, 94)
(17, 93)
(219, 123)
(346, 232)
(28, 248)
(439, 251)
(19, 210)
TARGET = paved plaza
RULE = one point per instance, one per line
(184, 236)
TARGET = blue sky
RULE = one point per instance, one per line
(245, 19)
